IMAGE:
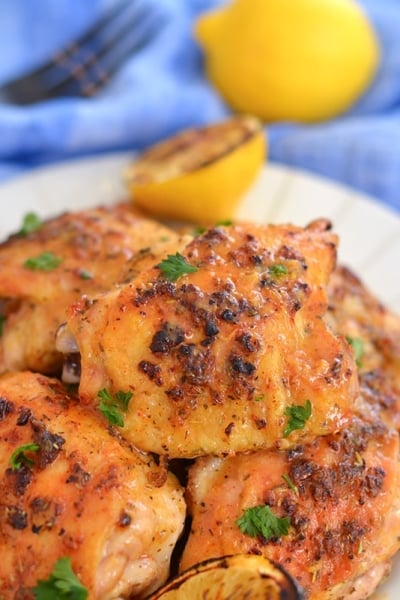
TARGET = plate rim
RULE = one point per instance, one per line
(120, 158)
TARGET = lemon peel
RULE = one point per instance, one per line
(230, 577)
(200, 174)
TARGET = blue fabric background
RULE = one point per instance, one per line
(163, 89)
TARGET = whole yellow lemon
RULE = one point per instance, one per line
(302, 60)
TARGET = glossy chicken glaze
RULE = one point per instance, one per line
(355, 312)
(214, 358)
(343, 504)
(87, 496)
(94, 247)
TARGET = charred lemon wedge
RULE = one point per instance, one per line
(238, 577)
(200, 174)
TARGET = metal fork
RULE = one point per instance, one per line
(87, 64)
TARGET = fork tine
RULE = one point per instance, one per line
(116, 57)
(100, 24)
(83, 39)
(95, 69)
(78, 57)
(34, 87)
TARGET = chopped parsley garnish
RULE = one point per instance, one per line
(260, 520)
(113, 407)
(358, 348)
(199, 230)
(175, 266)
(164, 238)
(62, 584)
(290, 483)
(224, 223)
(277, 270)
(298, 416)
(84, 274)
(19, 456)
(259, 398)
(47, 261)
(2, 320)
(31, 222)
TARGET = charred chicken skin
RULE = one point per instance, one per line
(338, 497)
(340, 493)
(44, 271)
(239, 348)
(71, 488)
(357, 314)
(216, 356)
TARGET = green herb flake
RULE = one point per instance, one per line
(358, 348)
(164, 238)
(62, 584)
(174, 266)
(47, 261)
(290, 483)
(114, 407)
(277, 270)
(260, 520)
(123, 399)
(298, 416)
(31, 222)
(19, 456)
(259, 398)
(198, 231)
(3, 319)
(224, 223)
(84, 274)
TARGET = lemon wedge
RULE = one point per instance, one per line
(237, 577)
(200, 174)
(301, 60)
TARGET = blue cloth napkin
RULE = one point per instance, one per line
(162, 89)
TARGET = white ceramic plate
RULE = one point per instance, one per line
(369, 234)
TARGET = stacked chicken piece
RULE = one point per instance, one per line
(240, 355)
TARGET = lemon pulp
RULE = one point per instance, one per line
(200, 174)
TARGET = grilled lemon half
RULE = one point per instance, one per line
(238, 577)
(200, 174)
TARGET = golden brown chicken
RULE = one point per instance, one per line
(328, 512)
(219, 343)
(374, 333)
(44, 271)
(70, 489)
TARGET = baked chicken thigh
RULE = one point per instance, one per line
(328, 512)
(374, 331)
(44, 271)
(217, 343)
(71, 489)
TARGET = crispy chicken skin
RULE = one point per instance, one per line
(214, 358)
(94, 246)
(356, 313)
(344, 506)
(87, 496)
(342, 501)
